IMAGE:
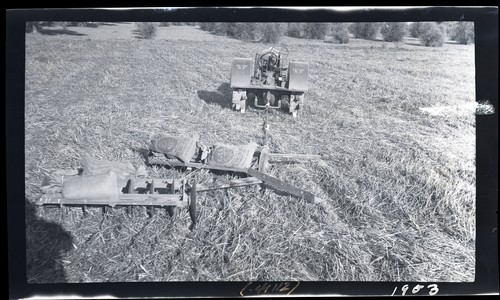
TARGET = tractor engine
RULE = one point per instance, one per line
(267, 69)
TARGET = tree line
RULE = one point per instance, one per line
(430, 34)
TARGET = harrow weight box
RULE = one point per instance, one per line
(149, 192)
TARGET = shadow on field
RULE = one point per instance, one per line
(413, 43)
(59, 31)
(107, 24)
(45, 243)
(450, 42)
(91, 24)
(221, 97)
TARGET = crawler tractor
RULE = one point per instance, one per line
(266, 83)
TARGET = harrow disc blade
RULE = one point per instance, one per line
(130, 190)
(192, 204)
(172, 187)
(171, 211)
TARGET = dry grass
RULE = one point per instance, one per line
(399, 183)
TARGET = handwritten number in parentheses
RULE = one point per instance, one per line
(244, 289)
(434, 289)
(285, 288)
(264, 288)
(277, 287)
(293, 289)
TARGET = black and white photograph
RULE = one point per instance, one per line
(251, 152)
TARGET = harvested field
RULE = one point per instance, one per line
(399, 183)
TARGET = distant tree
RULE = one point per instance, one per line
(225, 28)
(146, 30)
(416, 29)
(77, 24)
(37, 26)
(165, 24)
(204, 26)
(219, 28)
(30, 27)
(265, 32)
(449, 28)
(316, 30)
(393, 31)
(271, 32)
(340, 33)
(432, 35)
(366, 31)
(463, 33)
(64, 25)
(294, 30)
(46, 23)
(246, 31)
(230, 29)
(211, 26)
